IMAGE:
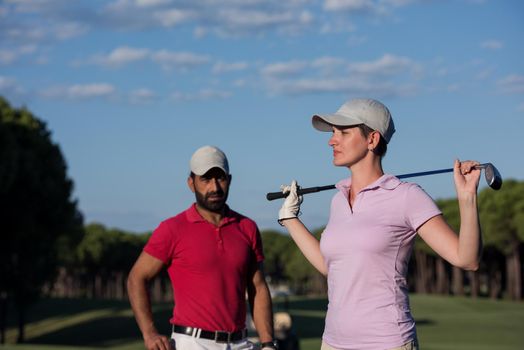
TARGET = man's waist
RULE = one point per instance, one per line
(218, 336)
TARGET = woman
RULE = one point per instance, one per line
(366, 245)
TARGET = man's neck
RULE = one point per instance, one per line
(211, 216)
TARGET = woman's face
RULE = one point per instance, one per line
(349, 145)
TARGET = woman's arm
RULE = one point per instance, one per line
(306, 242)
(465, 249)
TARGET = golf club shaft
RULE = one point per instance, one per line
(275, 195)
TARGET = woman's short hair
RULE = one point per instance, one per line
(382, 146)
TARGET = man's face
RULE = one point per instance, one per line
(211, 189)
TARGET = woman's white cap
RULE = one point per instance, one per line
(358, 111)
(206, 158)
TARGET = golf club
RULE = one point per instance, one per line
(492, 175)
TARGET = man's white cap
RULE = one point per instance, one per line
(206, 158)
(358, 111)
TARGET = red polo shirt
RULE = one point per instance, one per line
(208, 266)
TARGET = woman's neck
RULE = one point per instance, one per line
(365, 173)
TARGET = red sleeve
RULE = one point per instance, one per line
(257, 246)
(160, 244)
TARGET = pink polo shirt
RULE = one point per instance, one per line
(209, 267)
(367, 250)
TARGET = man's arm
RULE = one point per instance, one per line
(145, 269)
(261, 307)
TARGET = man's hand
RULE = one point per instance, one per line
(156, 341)
(291, 207)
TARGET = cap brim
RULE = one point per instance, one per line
(202, 170)
(326, 122)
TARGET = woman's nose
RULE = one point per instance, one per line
(332, 140)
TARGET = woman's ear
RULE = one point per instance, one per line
(373, 139)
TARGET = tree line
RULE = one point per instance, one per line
(47, 250)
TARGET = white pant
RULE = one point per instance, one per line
(187, 342)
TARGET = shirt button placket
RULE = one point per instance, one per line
(219, 236)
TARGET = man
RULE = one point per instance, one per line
(213, 256)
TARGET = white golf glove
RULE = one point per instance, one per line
(291, 206)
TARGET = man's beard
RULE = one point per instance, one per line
(215, 206)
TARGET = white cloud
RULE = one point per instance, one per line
(484, 73)
(7, 83)
(385, 76)
(204, 94)
(142, 95)
(240, 83)
(151, 3)
(492, 45)
(398, 3)
(90, 90)
(224, 67)
(21, 34)
(170, 18)
(341, 85)
(284, 69)
(10, 89)
(79, 91)
(252, 18)
(179, 60)
(453, 88)
(223, 18)
(119, 5)
(69, 30)
(122, 55)
(367, 6)
(512, 84)
(42, 32)
(356, 40)
(386, 65)
(29, 6)
(327, 61)
(8, 56)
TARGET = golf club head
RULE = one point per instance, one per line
(492, 175)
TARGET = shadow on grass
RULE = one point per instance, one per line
(305, 325)
(49, 307)
(302, 303)
(424, 322)
(308, 327)
(103, 332)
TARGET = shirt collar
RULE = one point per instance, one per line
(386, 181)
(193, 215)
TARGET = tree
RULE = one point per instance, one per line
(40, 221)
(451, 213)
(106, 256)
(304, 277)
(502, 219)
(276, 252)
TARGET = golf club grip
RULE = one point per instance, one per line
(275, 195)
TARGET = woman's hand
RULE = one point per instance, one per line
(466, 177)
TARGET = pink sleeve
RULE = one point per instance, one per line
(420, 207)
(160, 244)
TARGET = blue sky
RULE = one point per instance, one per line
(130, 88)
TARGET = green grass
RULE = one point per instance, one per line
(444, 323)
